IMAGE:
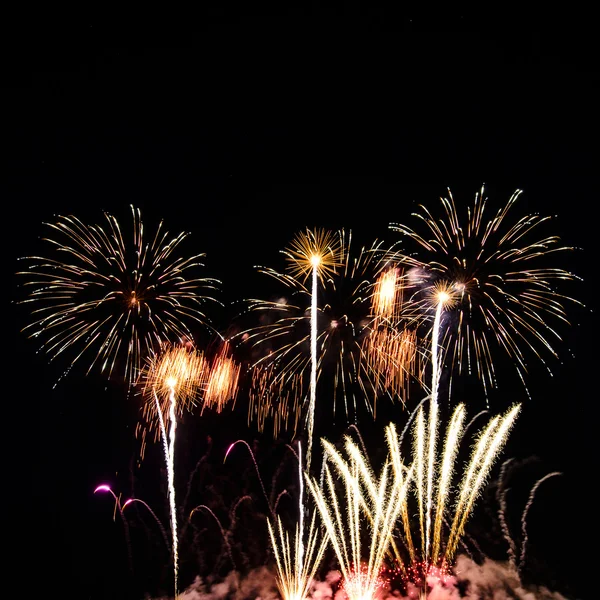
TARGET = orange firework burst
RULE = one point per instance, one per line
(394, 354)
(501, 293)
(223, 378)
(176, 370)
(113, 299)
(387, 298)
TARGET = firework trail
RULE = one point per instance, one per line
(526, 512)
(175, 377)
(504, 294)
(262, 485)
(113, 299)
(501, 497)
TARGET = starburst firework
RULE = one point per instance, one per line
(354, 334)
(503, 293)
(113, 299)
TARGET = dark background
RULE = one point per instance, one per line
(244, 131)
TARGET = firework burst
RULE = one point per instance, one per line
(182, 371)
(346, 325)
(113, 299)
(503, 294)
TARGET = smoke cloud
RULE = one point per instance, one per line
(490, 580)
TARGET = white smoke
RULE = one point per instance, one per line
(490, 580)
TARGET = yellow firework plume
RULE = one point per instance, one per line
(360, 515)
(435, 483)
(297, 560)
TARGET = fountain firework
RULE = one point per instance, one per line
(298, 561)
(380, 498)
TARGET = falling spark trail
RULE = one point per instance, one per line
(526, 511)
(262, 485)
(501, 495)
(223, 533)
(281, 494)
(160, 525)
(107, 488)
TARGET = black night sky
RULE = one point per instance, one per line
(244, 132)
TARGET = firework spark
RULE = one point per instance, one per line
(351, 334)
(504, 294)
(113, 299)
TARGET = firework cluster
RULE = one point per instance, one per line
(348, 328)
